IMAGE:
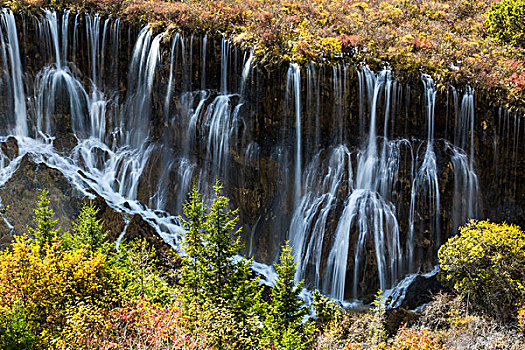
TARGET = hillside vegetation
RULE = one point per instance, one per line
(76, 290)
(479, 41)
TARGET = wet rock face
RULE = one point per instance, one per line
(6, 234)
(168, 260)
(21, 193)
(422, 291)
(10, 148)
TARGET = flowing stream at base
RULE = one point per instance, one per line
(352, 208)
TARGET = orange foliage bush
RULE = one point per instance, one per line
(144, 325)
(415, 339)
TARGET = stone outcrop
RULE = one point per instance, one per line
(21, 193)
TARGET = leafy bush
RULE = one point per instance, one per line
(505, 21)
(485, 265)
(348, 328)
(15, 330)
(325, 309)
(141, 324)
(48, 285)
(54, 291)
(415, 339)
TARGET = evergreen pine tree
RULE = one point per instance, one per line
(221, 246)
(212, 274)
(283, 322)
(191, 278)
(246, 301)
(87, 231)
(45, 231)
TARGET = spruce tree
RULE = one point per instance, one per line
(87, 231)
(222, 244)
(212, 272)
(191, 270)
(283, 324)
(44, 231)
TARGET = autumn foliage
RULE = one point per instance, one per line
(59, 292)
(455, 41)
(73, 292)
(485, 264)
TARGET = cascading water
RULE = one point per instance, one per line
(332, 158)
(12, 64)
(366, 212)
(466, 185)
(425, 183)
(308, 225)
(293, 87)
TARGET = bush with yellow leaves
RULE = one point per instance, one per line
(48, 286)
(485, 265)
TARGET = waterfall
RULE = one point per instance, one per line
(425, 184)
(245, 73)
(225, 58)
(137, 109)
(335, 159)
(293, 84)
(313, 104)
(466, 185)
(169, 89)
(308, 225)
(366, 212)
(14, 66)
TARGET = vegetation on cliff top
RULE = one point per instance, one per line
(455, 41)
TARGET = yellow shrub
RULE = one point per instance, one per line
(485, 264)
(521, 318)
(52, 283)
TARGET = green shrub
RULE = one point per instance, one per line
(505, 21)
(485, 265)
(88, 232)
(325, 309)
(15, 330)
